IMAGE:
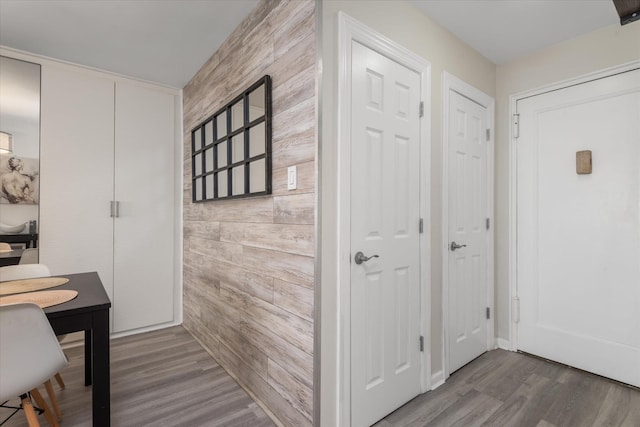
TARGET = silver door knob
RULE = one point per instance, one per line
(359, 257)
(455, 246)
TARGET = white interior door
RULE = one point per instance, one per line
(467, 223)
(578, 235)
(385, 290)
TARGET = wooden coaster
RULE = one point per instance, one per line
(28, 285)
(43, 298)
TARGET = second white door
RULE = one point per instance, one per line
(467, 218)
(385, 289)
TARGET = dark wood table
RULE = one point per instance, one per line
(10, 258)
(29, 240)
(88, 312)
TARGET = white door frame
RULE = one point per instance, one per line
(514, 302)
(453, 83)
(351, 30)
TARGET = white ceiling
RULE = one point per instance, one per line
(167, 41)
(164, 41)
(503, 30)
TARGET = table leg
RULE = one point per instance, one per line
(101, 369)
(87, 357)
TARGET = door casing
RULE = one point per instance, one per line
(453, 83)
(513, 312)
(352, 30)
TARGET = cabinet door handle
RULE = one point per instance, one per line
(115, 209)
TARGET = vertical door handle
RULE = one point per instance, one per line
(115, 209)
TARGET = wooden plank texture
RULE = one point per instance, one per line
(249, 263)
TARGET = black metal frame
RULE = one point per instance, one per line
(206, 141)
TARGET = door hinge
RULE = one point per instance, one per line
(488, 313)
(421, 109)
(516, 125)
(488, 134)
(488, 223)
(421, 226)
(421, 343)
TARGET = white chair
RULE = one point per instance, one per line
(29, 355)
(34, 271)
(23, 271)
(29, 256)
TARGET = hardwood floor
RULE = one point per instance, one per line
(502, 388)
(160, 378)
(165, 378)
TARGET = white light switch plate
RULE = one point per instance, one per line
(292, 177)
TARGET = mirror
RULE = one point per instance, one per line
(237, 159)
(19, 167)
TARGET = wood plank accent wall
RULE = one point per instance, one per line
(249, 263)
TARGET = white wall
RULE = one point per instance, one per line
(403, 23)
(600, 49)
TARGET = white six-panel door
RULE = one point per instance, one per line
(467, 223)
(578, 235)
(385, 291)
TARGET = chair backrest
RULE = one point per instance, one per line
(29, 352)
(29, 256)
(5, 247)
(23, 271)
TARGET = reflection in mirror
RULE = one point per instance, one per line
(256, 103)
(238, 180)
(256, 140)
(20, 162)
(198, 189)
(209, 186)
(237, 147)
(197, 140)
(222, 184)
(222, 154)
(208, 158)
(198, 164)
(221, 125)
(208, 133)
(237, 115)
(257, 172)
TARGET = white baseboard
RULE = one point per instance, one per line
(437, 379)
(503, 344)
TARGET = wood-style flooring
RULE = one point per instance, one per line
(503, 388)
(165, 378)
(160, 378)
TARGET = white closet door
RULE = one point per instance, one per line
(144, 188)
(76, 231)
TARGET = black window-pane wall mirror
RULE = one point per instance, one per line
(231, 149)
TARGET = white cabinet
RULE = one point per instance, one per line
(76, 173)
(109, 139)
(144, 189)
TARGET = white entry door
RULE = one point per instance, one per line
(467, 230)
(385, 290)
(578, 235)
